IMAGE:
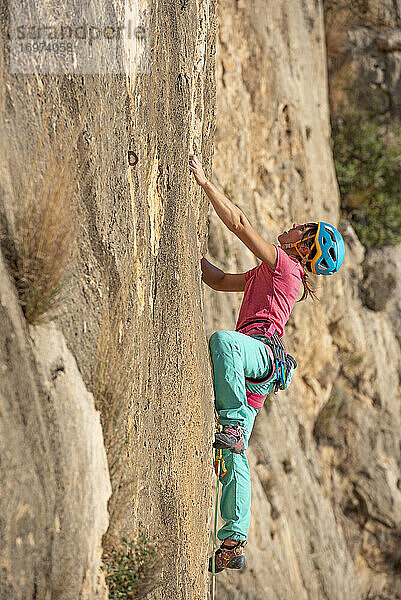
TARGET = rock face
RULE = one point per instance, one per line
(52, 462)
(145, 216)
(364, 55)
(325, 455)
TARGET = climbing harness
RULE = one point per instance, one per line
(285, 364)
(219, 464)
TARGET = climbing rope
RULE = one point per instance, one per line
(217, 466)
(220, 469)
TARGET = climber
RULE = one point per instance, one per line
(245, 368)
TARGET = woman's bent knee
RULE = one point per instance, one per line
(220, 338)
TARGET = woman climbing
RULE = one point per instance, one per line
(250, 361)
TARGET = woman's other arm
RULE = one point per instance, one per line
(220, 281)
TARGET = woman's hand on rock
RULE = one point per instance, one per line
(196, 168)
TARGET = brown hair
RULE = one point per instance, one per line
(308, 290)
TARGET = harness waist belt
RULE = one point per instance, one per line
(261, 320)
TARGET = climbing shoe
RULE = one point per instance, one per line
(230, 437)
(228, 557)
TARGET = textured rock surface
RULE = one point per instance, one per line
(55, 482)
(324, 456)
(151, 214)
(364, 55)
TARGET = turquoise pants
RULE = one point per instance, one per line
(235, 356)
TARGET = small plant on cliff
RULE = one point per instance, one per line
(39, 246)
(132, 570)
(367, 159)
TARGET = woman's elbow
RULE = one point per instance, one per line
(239, 221)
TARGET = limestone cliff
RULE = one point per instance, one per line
(363, 49)
(55, 481)
(324, 456)
(133, 222)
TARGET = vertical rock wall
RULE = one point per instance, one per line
(55, 481)
(147, 217)
(364, 55)
(325, 455)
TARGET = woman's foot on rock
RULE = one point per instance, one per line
(231, 437)
(229, 557)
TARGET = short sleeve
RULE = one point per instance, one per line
(251, 273)
(285, 264)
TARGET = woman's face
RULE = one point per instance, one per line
(295, 234)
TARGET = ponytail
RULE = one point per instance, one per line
(308, 290)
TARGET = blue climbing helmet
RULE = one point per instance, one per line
(327, 249)
(330, 250)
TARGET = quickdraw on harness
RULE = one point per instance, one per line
(285, 364)
(219, 456)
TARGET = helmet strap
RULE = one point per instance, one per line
(304, 258)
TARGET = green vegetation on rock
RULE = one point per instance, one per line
(367, 155)
(132, 570)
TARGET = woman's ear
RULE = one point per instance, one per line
(304, 248)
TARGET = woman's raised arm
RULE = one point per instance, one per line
(256, 244)
(234, 218)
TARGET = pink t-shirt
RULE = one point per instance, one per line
(270, 295)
